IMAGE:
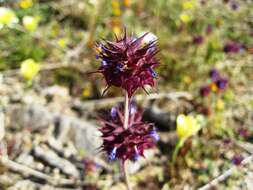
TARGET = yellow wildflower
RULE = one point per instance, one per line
(86, 92)
(127, 3)
(187, 79)
(185, 18)
(116, 8)
(116, 30)
(24, 4)
(29, 69)
(187, 126)
(190, 4)
(7, 17)
(62, 42)
(220, 104)
(30, 23)
(214, 87)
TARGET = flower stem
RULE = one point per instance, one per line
(126, 176)
(126, 118)
(179, 144)
(126, 114)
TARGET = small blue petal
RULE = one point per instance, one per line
(119, 68)
(113, 112)
(133, 109)
(112, 155)
(97, 56)
(153, 73)
(103, 63)
(137, 155)
(155, 136)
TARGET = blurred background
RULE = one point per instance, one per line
(49, 101)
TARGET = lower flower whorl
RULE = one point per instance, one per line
(130, 143)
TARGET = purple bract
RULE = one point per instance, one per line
(128, 62)
(130, 143)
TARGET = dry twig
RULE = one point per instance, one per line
(226, 174)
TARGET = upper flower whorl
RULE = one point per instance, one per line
(128, 62)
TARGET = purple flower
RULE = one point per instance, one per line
(227, 141)
(232, 47)
(237, 159)
(214, 74)
(222, 83)
(209, 29)
(128, 62)
(198, 40)
(234, 5)
(205, 90)
(243, 132)
(129, 143)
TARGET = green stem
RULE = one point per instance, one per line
(180, 143)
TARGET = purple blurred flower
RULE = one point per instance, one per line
(227, 141)
(237, 159)
(232, 47)
(214, 74)
(198, 40)
(243, 132)
(205, 91)
(222, 83)
(209, 29)
(234, 5)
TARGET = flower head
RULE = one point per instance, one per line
(130, 143)
(185, 18)
(128, 62)
(198, 40)
(24, 4)
(222, 83)
(7, 17)
(205, 91)
(29, 69)
(237, 159)
(189, 4)
(30, 23)
(209, 29)
(214, 74)
(232, 47)
(187, 126)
